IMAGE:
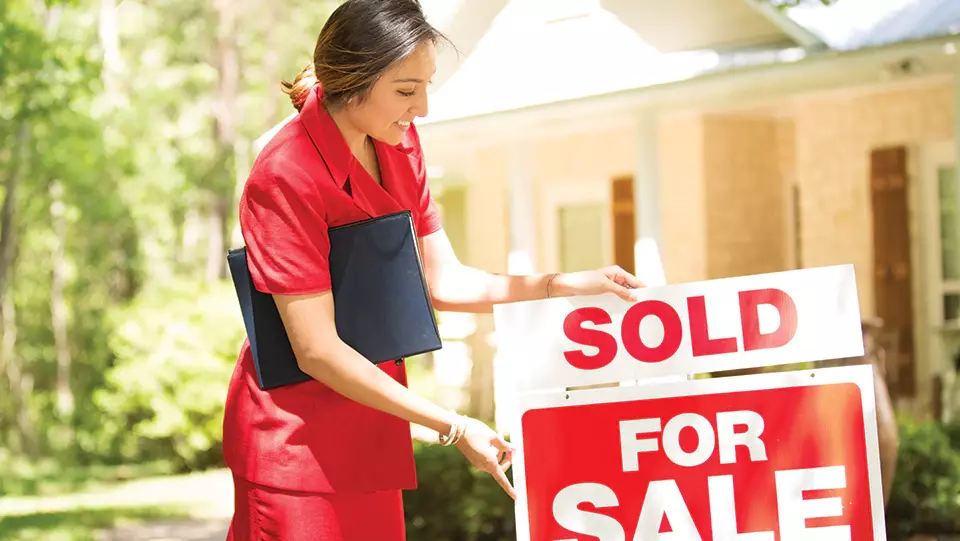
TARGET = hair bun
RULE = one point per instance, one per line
(301, 86)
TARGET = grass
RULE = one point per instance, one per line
(81, 523)
(103, 504)
(47, 478)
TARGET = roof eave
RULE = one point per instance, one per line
(818, 71)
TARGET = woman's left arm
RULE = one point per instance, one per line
(456, 287)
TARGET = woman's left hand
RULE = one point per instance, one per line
(606, 280)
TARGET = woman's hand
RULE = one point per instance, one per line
(488, 451)
(607, 280)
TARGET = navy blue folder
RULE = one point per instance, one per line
(381, 303)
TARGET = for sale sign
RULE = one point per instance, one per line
(751, 321)
(775, 457)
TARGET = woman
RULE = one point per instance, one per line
(328, 458)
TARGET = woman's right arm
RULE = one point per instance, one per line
(321, 354)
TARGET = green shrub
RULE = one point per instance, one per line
(456, 502)
(953, 433)
(926, 490)
(163, 400)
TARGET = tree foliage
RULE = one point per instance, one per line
(125, 129)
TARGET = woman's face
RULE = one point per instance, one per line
(397, 98)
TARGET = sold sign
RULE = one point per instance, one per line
(763, 320)
(790, 456)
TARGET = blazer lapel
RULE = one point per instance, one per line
(370, 196)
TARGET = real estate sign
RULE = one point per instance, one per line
(779, 456)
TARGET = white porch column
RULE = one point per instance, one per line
(646, 193)
(522, 259)
(523, 227)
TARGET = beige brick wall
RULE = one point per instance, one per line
(488, 212)
(745, 205)
(683, 198)
(786, 134)
(834, 138)
(722, 195)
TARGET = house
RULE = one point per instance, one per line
(700, 139)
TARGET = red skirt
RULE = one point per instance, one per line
(263, 513)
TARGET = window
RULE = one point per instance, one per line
(581, 236)
(948, 203)
(452, 206)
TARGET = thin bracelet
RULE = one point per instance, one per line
(459, 434)
(457, 428)
(446, 438)
(550, 281)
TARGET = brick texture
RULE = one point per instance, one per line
(834, 138)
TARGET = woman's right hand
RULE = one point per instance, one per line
(488, 451)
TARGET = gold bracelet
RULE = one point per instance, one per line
(446, 438)
(460, 432)
(457, 428)
(550, 281)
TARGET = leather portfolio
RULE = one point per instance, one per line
(381, 302)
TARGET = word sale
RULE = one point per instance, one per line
(664, 499)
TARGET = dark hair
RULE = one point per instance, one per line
(359, 42)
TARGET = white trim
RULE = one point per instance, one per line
(860, 375)
(789, 27)
(648, 226)
(523, 257)
(918, 223)
(929, 327)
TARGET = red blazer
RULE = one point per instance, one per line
(306, 436)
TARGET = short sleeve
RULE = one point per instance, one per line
(285, 233)
(428, 215)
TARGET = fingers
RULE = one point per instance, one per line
(626, 279)
(620, 291)
(501, 461)
(506, 460)
(504, 452)
(501, 444)
(501, 478)
(506, 463)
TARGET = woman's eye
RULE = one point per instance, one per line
(406, 94)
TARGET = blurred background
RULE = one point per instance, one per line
(682, 140)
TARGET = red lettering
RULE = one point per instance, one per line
(672, 331)
(605, 343)
(700, 339)
(750, 318)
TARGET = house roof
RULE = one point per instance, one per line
(534, 53)
(856, 24)
(687, 25)
(515, 54)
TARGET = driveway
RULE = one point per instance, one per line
(208, 529)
